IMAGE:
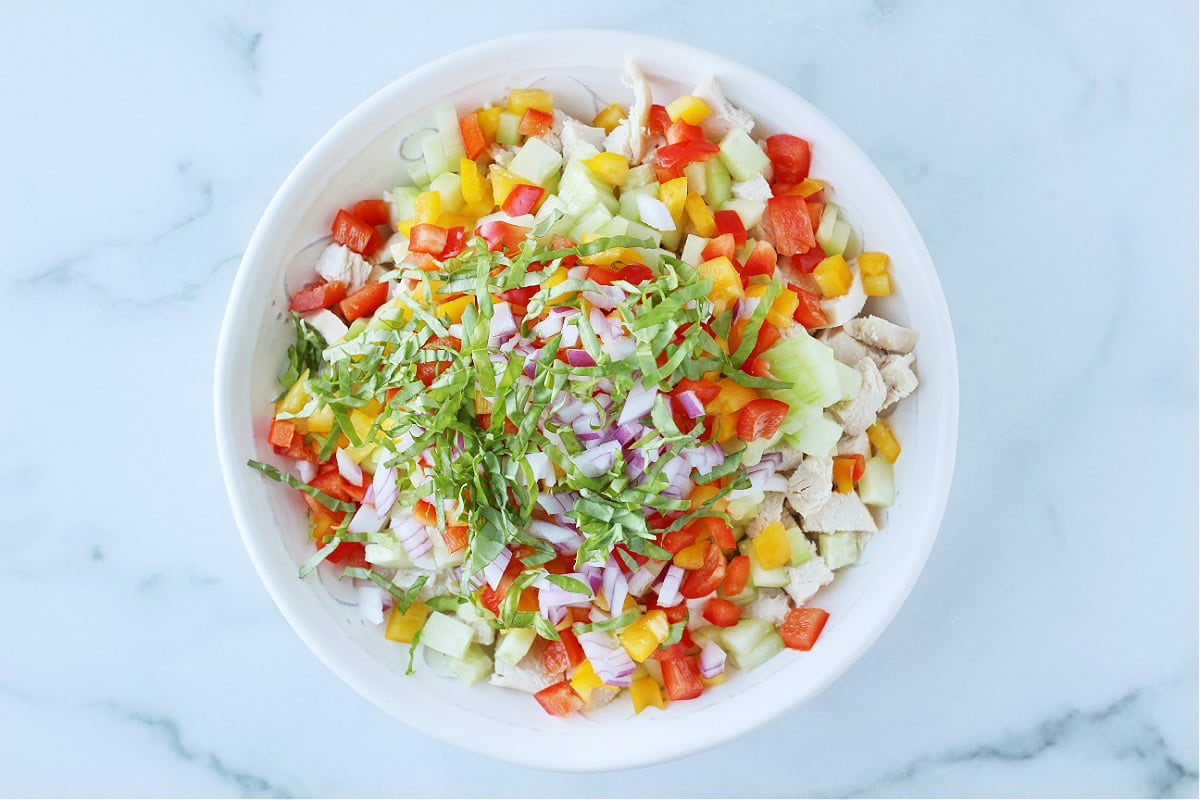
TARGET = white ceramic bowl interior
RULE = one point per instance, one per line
(361, 157)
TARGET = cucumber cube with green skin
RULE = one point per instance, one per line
(639, 231)
(388, 556)
(838, 549)
(536, 161)
(446, 635)
(743, 509)
(802, 549)
(718, 186)
(418, 173)
(750, 211)
(745, 597)
(507, 132)
(742, 637)
(474, 666)
(514, 645)
(770, 646)
(817, 438)
(639, 176)
(742, 156)
(403, 201)
(449, 186)
(446, 120)
(591, 221)
(617, 226)
(434, 152)
(704, 635)
(671, 239)
(697, 177)
(627, 205)
(579, 189)
(554, 204)
(877, 486)
(837, 241)
(829, 219)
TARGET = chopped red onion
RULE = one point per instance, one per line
(635, 464)
(540, 464)
(570, 334)
(369, 495)
(668, 593)
(619, 348)
(554, 534)
(580, 358)
(365, 520)
(597, 460)
(349, 470)
(577, 273)
(552, 595)
(628, 432)
(592, 575)
(690, 404)
(305, 470)
(638, 403)
(503, 323)
(704, 459)
(555, 614)
(641, 579)
(615, 585)
(494, 571)
(597, 646)
(605, 297)
(412, 536)
(616, 669)
(455, 329)
(552, 503)
(712, 661)
(745, 307)
(548, 328)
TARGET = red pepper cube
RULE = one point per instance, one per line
(354, 233)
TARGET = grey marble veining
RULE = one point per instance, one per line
(1047, 151)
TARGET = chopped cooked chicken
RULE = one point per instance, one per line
(771, 605)
(725, 116)
(756, 188)
(339, 263)
(879, 332)
(847, 349)
(810, 485)
(791, 457)
(805, 580)
(527, 675)
(851, 444)
(858, 413)
(839, 512)
(770, 510)
(575, 133)
(899, 378)
(639, 112)
(502, 153)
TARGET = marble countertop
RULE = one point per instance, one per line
(1046, 151)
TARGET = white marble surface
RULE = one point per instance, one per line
(1047, 152)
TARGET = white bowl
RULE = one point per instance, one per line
(357, 159)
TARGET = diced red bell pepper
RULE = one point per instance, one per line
(808, 312)
(706, 391)
(474, 141)
(427, 371)
(523, 197)
(520, 296)
(427, 238)
(758, 367)
(662, 174)
(349, 554)
(674, 541)
(373, 211)
(318, 296)
(670, 652)
(793, 228)
(802, 627)
(499, 234)
(699, 582)
(562, 655)
(722, 613)
(761, 261)
(681, 678)
(356, 234)
(535, 122)
(768, 335)
(333, 484)
(455, 239)
(676, 613)
(298, 450)
(713, 528)
(283, 431)
(559, 700)
(815, 210)
(682, 153)
(455, 537)
(728, 222)
(425, 513)
(364, 301)
(722, 246)
(635, 274)
(601, 274)
(658, 120)
(760, 419)
(680, 131)
(790, 156)
(736, 575)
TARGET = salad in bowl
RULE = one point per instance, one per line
(594, 409)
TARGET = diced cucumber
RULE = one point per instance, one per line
(641, 175)
(741, 509)
(704, 635)
(580, 190)
(506, 130)
(389, 556)
(753, 452)
(628, 202)
(838, 549)
(418, 173)
(536, 161)
(449, 186)
(474, 666)
(693, 246)
(835, 245)
(877, 486)
(745, 597)
(483, 633)
(742, 638)
(446, 120)
(850, 379)
(446, 635)
(639, 231)
(742, 156)
(802, 548)
(717, 185)
(808, 364)
(750, 211)
(742, 253)
(442, 556)
(762, 577)
(402, 200)
(770, 646)
(514, 645)
(817, 438)
(829, 218)
(670, 240)
(434, 151)
(617, 226)
(552, 204)
(591, 221)
(697, 177)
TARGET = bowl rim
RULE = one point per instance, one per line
(439, 722)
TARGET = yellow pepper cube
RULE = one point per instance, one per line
(453, 309)
(725, 428)
(705, 492)
(713, 681)
(771, 547)
(692, 556)
(646, 692)
(808, 187)
(884, 441)
(609, 167)
(782, 308)
(689, 108)
(321, 420)
(361, 422)
(503, 182)
(873, 263)
(585, 680)
(296, 398)
(732, 397)
(472, 180)
(834, 277)
(877, 285)
(403, 627)
(405, 226)
(673, 193)
(521, 100)
(427, 207)
(609, 118)
(643, 637)
(726, 283)
(362, 452)
(627, 255)
(489, 121)
(700, 215)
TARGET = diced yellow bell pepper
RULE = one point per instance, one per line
(403, 627)
(603, 258)
(783, 307)
(732, 397)
(323, 527)
(405, 226)
(834, 277)
(503, 182)
(427, 207)
(585, 680)
(361, 421)
(807, 187)
(472, 180)
(609, 167)
(646, 692)
(700, 215)
(692, 556)
(482, 207)
(627, 255)
(705, 492)
(453, 309)
(296, 398)
(843, 474)
(725, 427)
(713, 681)
(362, 452)
(771, 547)
(609, 118)
(489, 121)
(689, 108)
(521, 100)
(673, 193)
(726, 283)
(877, 285)
(448, 221)
(884, 441)
(321, 420)
(644, 636)
(373, 408)
(873, 263)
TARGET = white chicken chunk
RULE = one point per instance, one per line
(770, 510)
(527, 675)
(878, 332)
(339, 263)
(756, 188)
(328, 324)
(725, 116)
(899, 377)
(791, 456)
(858, 413)
(839, 512)
(639, 112)
(575, 133)
(847, 349)
(771, 605)
(810, 485)
(502, 154)
(618, 141)
(807, 579)
(851, 444)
